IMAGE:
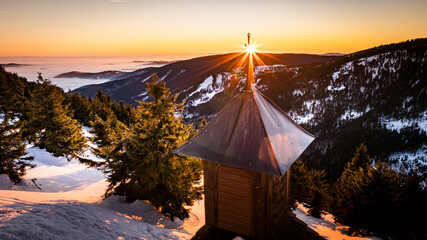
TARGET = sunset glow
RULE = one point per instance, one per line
(190, 27)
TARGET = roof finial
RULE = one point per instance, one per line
(249, 39)
(250, 79)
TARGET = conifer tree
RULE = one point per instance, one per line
(310, 187)
(142, 166)
(103, 131)
(80, 107)
(300, 183)
(319, 193)
(348, 188)
(12, 150)
(57, 132)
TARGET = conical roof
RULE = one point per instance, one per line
(250, 132)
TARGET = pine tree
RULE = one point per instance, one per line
(300, 183)
(80, 107)
(103, 131)
(319, 193)
(310, 187)
(57, 132)
(348, 188)
(102, 105)
(142, 166)
(12, 150)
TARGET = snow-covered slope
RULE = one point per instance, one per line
(70, 205)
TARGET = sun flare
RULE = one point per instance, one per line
(250, 48)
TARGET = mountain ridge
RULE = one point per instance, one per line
(376, 96)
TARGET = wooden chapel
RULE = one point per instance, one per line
(247, 150)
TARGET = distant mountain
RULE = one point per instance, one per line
(333, 54)
(104, 75)
(13, 65)
(377, 96)
(184, 74)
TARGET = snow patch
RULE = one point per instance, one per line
(310, 104)
(399, 124)
(332, 88)
(164, 76)
(351, 114)
(145, 79)
(297, 92)
(417, 158)
(302, 119)
(207, 89)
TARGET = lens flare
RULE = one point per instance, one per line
(250, 48)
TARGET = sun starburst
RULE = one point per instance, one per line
(250, 48)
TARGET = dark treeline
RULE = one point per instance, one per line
(369, 197)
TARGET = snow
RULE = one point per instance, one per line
(26, 219)
(418, 81)
(399, 124)
(326, 227)
(415, 159)
(332, 88)
(372, 65)
(351, 114)
(344, 70)
(301, 119)
(203, 86)
(273, 68)
(311, 103)
(145, 79)
(238, 238)
(208, 89)
(142, 94)
(164, 76)
(70, 205)
(297, 92)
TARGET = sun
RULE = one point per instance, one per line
(250, 48)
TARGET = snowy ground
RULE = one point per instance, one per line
(70, 205)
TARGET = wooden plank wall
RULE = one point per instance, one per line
(234, 194)
(246, 202)
(279, 200)
(209, 189)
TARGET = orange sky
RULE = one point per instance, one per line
(142, 27)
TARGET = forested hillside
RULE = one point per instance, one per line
(377, 96)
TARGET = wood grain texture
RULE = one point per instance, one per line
(234, 200)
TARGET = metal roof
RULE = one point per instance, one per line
(250, 132)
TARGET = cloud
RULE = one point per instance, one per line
(119, 1)
(3, 12)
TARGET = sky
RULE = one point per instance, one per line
(198, 27)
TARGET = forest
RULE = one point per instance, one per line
(137, 144)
